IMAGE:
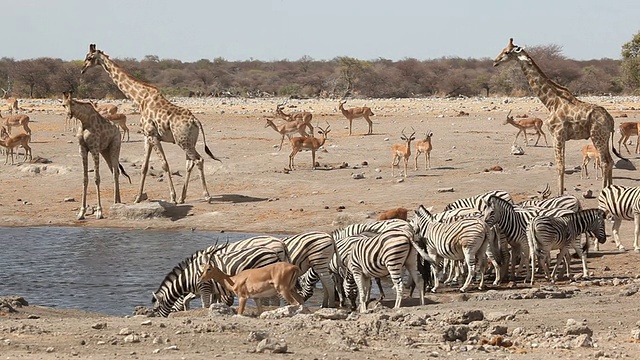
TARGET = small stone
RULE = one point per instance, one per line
(635, 334)
(132, 339)
(33, 317)
(50, 349)
(99, 326)
(588, 194)
(447, 189)
(100, 342)
(125, 331)
(145, 323)
(172, 347)
(69, 199)
(272, 346)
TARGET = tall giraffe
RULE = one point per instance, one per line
(96, 135)
(569, 118)
(160, 121)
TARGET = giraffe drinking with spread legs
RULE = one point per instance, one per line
(160, 120)
(569, 118)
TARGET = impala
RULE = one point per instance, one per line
(590, 152)
(626, 130)
(355, 113)
(287, 128)
(423, 146)
(523, 125)
(11, 142)
(12, 102)
(311, 143)
(303, 116)
(16, 120)
(402, 151)
(120, 120)
(106, 108)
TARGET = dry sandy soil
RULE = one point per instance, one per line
(253, 192)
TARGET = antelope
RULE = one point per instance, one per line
(120, 120)
(626, 130)
(523, 125)
(590, 152)
(398, 213)
(303, 116)
(423, 146)
(12, 102)
(16, 120)
(288, 128)
(355, 113)
(12, 142)
(311, 143)
(270, 280)
(106, 108)
(402, 151)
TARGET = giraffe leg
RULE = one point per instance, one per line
(85, 182)
(165, 166)
(145, 167)
(96, 173)
(112, 158)
(559, 153)
(602, 145)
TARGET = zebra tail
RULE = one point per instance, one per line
(420, 251)
(339, 261)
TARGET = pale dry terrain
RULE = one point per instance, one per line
(252, 192)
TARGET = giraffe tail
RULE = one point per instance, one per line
(613, 148)
(206, 148)
(124, 172)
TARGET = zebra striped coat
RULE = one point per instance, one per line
(568, 202)
(387, 253)
(185, 277)
(546, 233)
(621, 203)
(464, 239)
(314, 251)
(478, 202)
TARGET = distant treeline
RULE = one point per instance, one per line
(309, 78)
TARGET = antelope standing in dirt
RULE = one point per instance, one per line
(423, 146)
(12, 142)
(626, 130)
(355, 113)
(590, 152)
(12, 102)
(402, 151)
(524, 124)
(303, 116)
(288, 128)
(15, 121)
(311, 143)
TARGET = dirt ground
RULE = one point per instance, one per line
(254, 192)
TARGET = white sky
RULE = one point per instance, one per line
(323, 29)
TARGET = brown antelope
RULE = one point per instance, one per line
(287, 128)
(398, 213)
(106, 108)
(626, 130)
(303, 116)
(270, 280)
(12, 102)
(355, 113)
(590, 152)
(402, 151)
(11, 142)
(423, 146)
(311, 143)
(120, 120)
(524, 124)
(16, 120)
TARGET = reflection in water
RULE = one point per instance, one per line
(104, 270)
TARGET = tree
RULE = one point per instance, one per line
(630, 66)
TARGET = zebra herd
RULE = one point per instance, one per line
(463, 239)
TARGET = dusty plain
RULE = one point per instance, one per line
(252, 191)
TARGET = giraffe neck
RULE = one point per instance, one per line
(134, 89)
(85, 112)
(549, 92)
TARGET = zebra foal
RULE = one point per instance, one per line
(621, 203)
(546, 233)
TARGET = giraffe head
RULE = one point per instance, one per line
(509, 53)
(93, 58)
(66, 103)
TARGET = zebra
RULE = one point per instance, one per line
(462, 239)
(185, 277)
(568, 202)
(621, 203)
(314, 251)
(387, 253)
(182, 303)
(546, 233)
(479, 201)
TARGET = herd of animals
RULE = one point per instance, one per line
(467, 236)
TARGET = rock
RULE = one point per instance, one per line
(456, 332)
(588, 194)
(583, 340)
(498, 330)
(217, 309)
(578, 330)
(330, 314)
(257, 335)
(143, 310)
(357, 176)
(465, 317)
(635, 334)
(285, 312)
(497, 316)
(132, 339)
(146, 323)
(517, 150)
(125, 331)
(50, 349)
(147, 210)
(272, 346)
(99, 326)
(69, 199)
(447, 189)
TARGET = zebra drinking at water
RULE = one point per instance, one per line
(621, 203)
(546, 233)
(465, 239)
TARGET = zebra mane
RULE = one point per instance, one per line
(178, 270)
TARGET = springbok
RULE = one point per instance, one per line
(402, 151)
(311, 143)
(355, 113)
(270, 280)
(523, 125)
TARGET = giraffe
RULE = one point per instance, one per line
(569, 118)
(160, 121)
(96, 135)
